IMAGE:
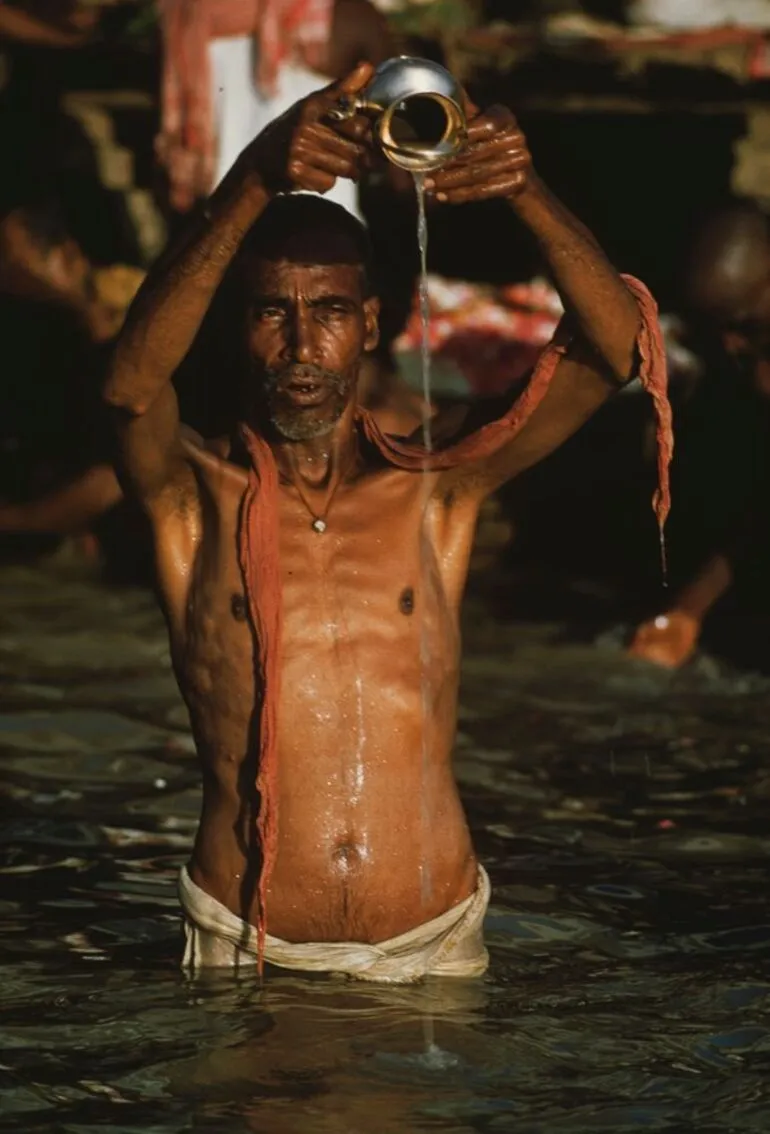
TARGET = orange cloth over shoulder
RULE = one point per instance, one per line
(259, 537)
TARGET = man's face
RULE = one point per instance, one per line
(745, 329)
(308, 327)
(730, 291)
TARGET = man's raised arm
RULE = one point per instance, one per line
(297, 151)
(603, 313)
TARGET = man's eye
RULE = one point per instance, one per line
(270, 313)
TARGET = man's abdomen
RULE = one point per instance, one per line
(398, 858)
(372, 839)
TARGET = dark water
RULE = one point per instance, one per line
(622, 815)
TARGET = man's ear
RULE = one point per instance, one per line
(371, 322)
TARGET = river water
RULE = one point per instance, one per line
(622, 815)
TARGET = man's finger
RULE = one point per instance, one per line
(468, 105)
(501, 187)
(323, 159)
(306, 177)
(488, 153)
(357, 129)
(353, 83)
(462, 176)
(331, 139)
(485, 126)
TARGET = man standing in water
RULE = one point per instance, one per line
(311, 581)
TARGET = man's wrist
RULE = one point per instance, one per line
(245, 182)
(532, 195)
(256, 170)
(238, 200)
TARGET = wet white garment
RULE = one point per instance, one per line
(241, 110)
(451, 945)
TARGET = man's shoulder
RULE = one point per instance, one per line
(212, 454)
(196, 445)
(205, 470)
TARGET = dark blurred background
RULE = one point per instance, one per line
(644, 120)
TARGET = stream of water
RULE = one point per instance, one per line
(426, 550)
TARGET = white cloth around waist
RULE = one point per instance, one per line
(449, 945)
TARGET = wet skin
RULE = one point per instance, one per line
(372, 837)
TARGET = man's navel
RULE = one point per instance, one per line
(406, 601)
(348, 855)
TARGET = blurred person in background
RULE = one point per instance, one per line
(722, 467)
(59, 317)
(48, 23)
(232, 66)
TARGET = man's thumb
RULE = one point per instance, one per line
(469, 106)
(355, 82)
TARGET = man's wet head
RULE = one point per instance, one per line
(312, 315)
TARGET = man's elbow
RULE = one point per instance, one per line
(124, 395)
(623, 360)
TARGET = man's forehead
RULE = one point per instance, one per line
(289, 276)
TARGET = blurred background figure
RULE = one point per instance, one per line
(722, 467)
(59, 317)
(232, 66)
(65, 24)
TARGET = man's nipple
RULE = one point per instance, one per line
(238, 607)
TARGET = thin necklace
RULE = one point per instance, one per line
(318, 519)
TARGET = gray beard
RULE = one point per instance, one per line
(304, 425)
(293, 427)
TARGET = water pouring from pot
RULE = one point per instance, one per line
(419, 124)
(417, 111)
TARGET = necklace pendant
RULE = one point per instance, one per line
(318, 525)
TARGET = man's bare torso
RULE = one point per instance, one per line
(372, 838)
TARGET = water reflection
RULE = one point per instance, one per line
(622, 815)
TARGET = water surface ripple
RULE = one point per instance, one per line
(622, 815)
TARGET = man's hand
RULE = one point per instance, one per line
(303, 149)
(495, 162)
(668, 640)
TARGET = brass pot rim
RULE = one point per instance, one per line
(431, 156)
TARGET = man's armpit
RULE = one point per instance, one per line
(179, 497)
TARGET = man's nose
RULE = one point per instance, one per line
(301, 338)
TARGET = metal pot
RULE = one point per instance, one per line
(417, 106)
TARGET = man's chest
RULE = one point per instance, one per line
(381, 575)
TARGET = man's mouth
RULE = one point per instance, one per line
(305, 391)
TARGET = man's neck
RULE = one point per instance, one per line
(319, 461)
